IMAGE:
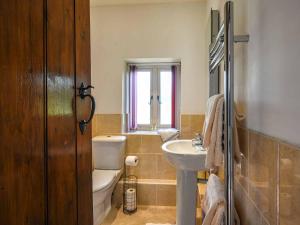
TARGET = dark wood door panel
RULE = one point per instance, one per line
(45, 162)
(22, 130)
(62, 172)
(84, 146)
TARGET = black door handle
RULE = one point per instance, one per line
(83, 94)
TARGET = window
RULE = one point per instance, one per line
(152, 96)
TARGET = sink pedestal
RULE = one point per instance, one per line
(187, 159)
(186, 195)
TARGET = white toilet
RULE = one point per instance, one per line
(108, 156)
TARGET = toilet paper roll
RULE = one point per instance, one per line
(131, 160)
(130, 194)
(130, 199)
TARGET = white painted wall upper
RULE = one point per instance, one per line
(267, 73)
(148, 31)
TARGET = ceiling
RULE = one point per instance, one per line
(128, 2)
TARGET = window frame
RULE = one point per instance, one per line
(158, 119)
(146, 126)
(155, 70)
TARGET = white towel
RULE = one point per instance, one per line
(168, 134)
(213, 204)
(213, 199)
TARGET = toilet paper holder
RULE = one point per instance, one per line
(129, 194)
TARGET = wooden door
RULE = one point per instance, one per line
(45, 161)
(84, 144)
(22, 113)
(61, 116)
(69, 151)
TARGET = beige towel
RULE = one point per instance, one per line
(214, 155)
(213, 203)
(218, 218)
(209, 118)
(214, 131)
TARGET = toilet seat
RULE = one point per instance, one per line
(103, 179)
(104, 182)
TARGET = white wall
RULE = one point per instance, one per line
(148, 31)
(267, 68)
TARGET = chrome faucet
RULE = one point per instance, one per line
(197, 140)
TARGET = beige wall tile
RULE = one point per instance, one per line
(242, 168)
(166, 195)
(201, 193)
(264, 221)
(243, 140)
(94, 125)
(164, 169)
(133, 144)
(117, 198)
(191, 124)
(152, 163)
(156, 193)
(272, 165)
(151, 144)
(147, 167)
(248, 213)
(147, 194)
(289, 194)
(107, 124)
(263, 174)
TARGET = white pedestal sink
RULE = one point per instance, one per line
(188, 160)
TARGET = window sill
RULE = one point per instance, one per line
(140, 132)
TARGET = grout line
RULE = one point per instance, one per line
(254, 205)
(248, 160)
(156, 165)
(278, 184)
(156, 200)
(264, 220)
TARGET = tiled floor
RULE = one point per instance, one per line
(145, 214)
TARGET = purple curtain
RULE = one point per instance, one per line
(173, 120)
(132, 98)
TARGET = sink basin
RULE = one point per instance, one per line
(187, 160)
(182, 155)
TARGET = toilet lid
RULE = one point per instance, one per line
(104, 178)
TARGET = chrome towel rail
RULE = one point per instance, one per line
(218, 40)
(223, 48)
(216, 49)
(229, 111)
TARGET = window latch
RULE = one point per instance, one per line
(151, 99)
(158, 99)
